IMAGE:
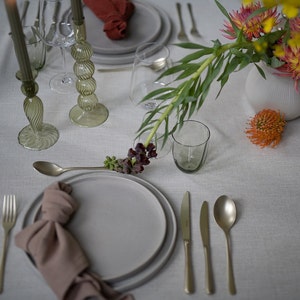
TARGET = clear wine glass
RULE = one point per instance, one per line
(57, 31)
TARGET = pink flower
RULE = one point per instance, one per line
(252, 27)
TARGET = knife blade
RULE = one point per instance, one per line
(185, 220)
(204, 229)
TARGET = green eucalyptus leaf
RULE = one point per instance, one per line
(190, 46)
(196, 55)
(230, 67)
(163, 92)
(276, 63)
(188, 72)
(260, 70)
(225, 13)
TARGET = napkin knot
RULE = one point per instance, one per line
(115, 15)
(58, 205)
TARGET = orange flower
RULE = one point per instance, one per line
(266, 128)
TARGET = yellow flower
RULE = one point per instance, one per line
(247, 2)
(268, 24)
(290, 11)
(270, 3)
(260, 46)
(278, 51)
(294, 42)
(290, 7)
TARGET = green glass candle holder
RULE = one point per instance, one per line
(88, 112)
(37, 135)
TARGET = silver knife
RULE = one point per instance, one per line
(185, 220)
(204, 229)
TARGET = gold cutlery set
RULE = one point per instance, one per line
(225, 216)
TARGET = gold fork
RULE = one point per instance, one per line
(9, 216)
(194, 30)
(182, 36)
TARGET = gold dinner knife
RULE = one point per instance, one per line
(204, 229)
(185, 219)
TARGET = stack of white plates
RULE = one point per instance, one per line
(147, 24)
(125, 225)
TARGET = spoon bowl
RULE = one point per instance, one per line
(52, 169)
(225, 216)
(225, 212)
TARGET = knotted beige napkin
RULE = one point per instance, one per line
(115, 15)
(57, 254)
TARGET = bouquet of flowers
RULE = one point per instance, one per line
(258, 32)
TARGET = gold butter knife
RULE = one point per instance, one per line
(185, 220)
(204, 230)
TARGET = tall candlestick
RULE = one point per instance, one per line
(18, 39)
(77, 12)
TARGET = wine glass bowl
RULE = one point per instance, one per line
(57, 31)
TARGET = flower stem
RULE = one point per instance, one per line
(222, 49)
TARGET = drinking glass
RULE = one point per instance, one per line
(57, 31)
(151, 60)
(190, 146)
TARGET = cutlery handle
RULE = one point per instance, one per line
(178, 7)
(191, 14)
(2, 263)
(209, 282)
(231, 282)
(188, 272)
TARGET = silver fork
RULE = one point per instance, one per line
(194, 30)
(9, 216)
(181, 34)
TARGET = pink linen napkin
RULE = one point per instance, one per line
(115, 15)
(57, 254)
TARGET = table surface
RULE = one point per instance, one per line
(263, 182)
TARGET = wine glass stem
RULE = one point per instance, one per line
(65, 79)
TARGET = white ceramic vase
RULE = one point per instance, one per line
(274, 92)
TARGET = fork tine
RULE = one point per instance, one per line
(4, 206)
(9, 208)
(14, 208)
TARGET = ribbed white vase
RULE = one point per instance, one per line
(274, 92)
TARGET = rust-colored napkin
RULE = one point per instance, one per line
(57, 254)
(115, 15)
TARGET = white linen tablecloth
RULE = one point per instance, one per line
(263, 182)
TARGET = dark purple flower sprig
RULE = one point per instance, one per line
(135, 161)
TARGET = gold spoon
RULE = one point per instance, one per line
(52, 169)
(225, 216)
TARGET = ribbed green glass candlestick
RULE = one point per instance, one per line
(88, 112)
(37, 135)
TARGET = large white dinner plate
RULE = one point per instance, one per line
(124, 224)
